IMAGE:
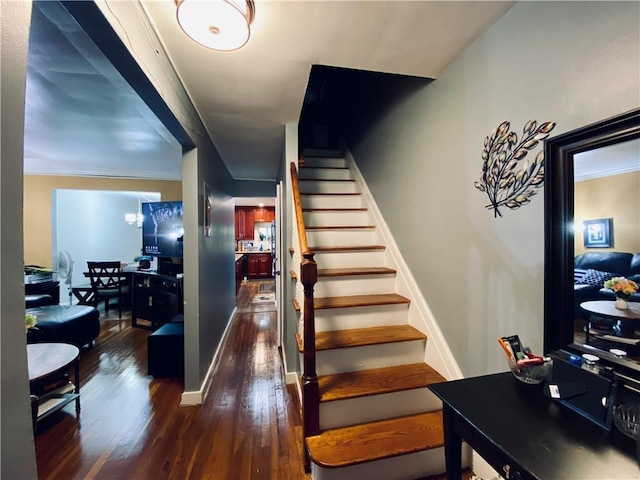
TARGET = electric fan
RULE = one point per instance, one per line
(65, 269)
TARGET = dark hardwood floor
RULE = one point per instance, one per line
(131, 425)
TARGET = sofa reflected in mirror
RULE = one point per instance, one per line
(592, 269)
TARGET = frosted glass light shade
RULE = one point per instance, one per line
(217, 24)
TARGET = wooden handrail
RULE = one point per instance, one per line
(308, 278)
(297, 203)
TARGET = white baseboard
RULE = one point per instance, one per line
(197, 397)
(289, 377)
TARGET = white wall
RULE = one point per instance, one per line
(90, 225)
(569, 62)
(18, 458)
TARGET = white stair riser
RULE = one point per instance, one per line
(341, 360)
(343, 237)
(330, 319)
(360, 217)
(346, 259)
(404, 467)
(353, 411)
(327, 186)
(324, 162)
(324, 173)
(354, 285)
(331, 201)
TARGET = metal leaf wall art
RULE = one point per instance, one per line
(502, 181)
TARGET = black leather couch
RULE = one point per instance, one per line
(592, 269)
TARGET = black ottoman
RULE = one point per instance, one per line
(75, 324)
(38, 300)
(165, 350)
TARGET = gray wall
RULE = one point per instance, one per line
(289, 314)
(482, 277)
(16, 447)
(254, 188)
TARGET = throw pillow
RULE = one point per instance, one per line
(596, 277)
(578, 273)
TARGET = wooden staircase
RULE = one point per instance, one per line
(377, 418)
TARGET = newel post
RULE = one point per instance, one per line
(310, 389)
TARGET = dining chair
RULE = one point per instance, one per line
(108, 282)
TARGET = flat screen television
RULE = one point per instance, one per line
(162, 229)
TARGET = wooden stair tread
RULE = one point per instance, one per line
(361, 337)
(329, 168)
(337, 209)
(345, 272)
(376, 381)
(340, 227)
(318, 193)
(326, 180)
(347, 248)
(357, 444)
(349, 301)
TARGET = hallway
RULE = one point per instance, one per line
(132, 427)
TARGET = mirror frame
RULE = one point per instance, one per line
(558, 219)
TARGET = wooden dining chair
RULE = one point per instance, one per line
(108, 282)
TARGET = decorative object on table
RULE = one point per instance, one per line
(623, 288)
(590, 362)
(65, 269)
(30, 321)
(598, 233)
(502, 153)
(524, 365)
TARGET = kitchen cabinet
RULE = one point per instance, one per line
(239, 272)
(264, 214)
(244, 223)
(259, 265)
(246, 217)
(264, 265)
(252, 266)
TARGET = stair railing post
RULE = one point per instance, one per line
(310, 389)
(308, 278)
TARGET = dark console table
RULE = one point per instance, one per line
(523, 434)
(157, 299)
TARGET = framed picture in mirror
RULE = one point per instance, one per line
(598, 233)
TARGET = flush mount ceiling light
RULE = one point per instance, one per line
(217, 24)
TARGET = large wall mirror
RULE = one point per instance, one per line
(592, 174)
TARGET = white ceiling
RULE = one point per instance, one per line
(82, 118)
(245, 97)
(606, 161)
